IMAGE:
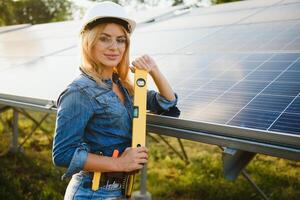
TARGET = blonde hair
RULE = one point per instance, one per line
(91, 66)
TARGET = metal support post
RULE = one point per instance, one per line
(142, 194)
(14, 145)
(234, 163)
(247, 177)
(183, 151)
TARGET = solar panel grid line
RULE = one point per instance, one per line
(242, 80)
(261, 110)
(202, 86)
(261, 91)
(17, 27)
(269, 39)
(295, 67)
(255, 119)
(219, 96)
(270, 103)
(280, 88)
(38, 58)
(289, 122)
(226, 26)
(293, 40)
(295, 107)
(277, 35)
(180, 82)
(261, 45)
(290, 76)
(283, 111)
(274, 66)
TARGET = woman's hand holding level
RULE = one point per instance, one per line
(133, 159)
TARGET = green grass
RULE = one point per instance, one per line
(31, 174)
(203, 177)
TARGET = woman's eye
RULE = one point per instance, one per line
(104, 39)
(121, 40)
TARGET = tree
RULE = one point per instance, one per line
(223, 1)
(177, 2)
(34, 11)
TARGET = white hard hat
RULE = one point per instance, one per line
(107, 12)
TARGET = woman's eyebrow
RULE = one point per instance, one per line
(110, 35)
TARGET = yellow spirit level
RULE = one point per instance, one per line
(139, 118)
(96, 180)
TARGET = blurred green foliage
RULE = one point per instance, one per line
(34, 11)
(223, 1)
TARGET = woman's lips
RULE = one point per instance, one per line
(111, 57)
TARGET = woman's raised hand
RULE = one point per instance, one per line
(144, 62)
(133, 159)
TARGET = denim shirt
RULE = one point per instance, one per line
(91, 118)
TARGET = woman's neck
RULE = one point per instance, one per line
(107, 73)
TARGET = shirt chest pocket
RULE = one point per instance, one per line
(109, 106)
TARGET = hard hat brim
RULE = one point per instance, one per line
(128, 24)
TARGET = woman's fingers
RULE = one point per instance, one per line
(134, 158)
(142, 161)
(138, 63)
(142, 149)
(145, 62)
(132, 69)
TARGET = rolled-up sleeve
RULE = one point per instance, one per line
(158, 103)
(69, 150)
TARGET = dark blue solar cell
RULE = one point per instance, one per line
(289, 76)
(283, 88)
(192, 83)
(294, 107)
(199, 61)
(200, 96)
(270, 102)
(258, 119)
(234, 56)
(249, 87)
(246, 65)
(262, 76)
(233, 99)
(287, 123)
(274, 66)
(295, 67)
(233, 75)
(182, 92)
(207, 74)
(259, 57)
(196, 101)
(286, 56)
(222, 85)
(219, 115)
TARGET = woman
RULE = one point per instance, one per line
(95, 111)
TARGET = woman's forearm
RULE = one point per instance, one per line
(97, 163)
(162, 84)
(130, 160)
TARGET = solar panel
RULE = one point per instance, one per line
(44, 82)
(235, 64)
(246, 90)
(39, 40)
(5, 29)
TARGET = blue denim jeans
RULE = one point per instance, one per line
(77, 191)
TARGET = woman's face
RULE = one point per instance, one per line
(110, 45)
